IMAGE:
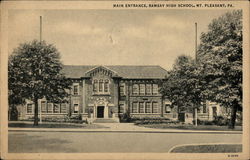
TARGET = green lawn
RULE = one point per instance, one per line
(191, 127)
(218, 148)
(54, 125)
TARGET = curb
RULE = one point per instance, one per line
(200, 144)
(123, 131)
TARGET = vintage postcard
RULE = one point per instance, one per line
(125, 80)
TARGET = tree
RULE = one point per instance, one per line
(34, 73)
(182, 85)
(220, 59)
(14, 97)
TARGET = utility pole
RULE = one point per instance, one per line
(39, 67)
(195, 42)
(40, 28)
(195, 109)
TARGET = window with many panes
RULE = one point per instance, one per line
(44, 107)
(30, 108)
(95, 85)
(121, 108)
(50, 107)
(75, 89)
(135, 89)
(101, 86)
(148, 89)
(145, 107)
(76, 108)
(204, 108)
(155, 107)
(155, 89)
(145, 89)
(148, 107)
(56, 108)
(122, 89)
(168, 108)
(142, 89)
(106, 86)
(134, 107)
(141, 107)
(63, 108)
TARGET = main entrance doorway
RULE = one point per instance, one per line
(100, 112)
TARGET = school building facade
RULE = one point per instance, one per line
(105, 92)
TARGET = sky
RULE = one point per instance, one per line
(113, 37)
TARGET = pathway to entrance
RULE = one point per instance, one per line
(124, 127)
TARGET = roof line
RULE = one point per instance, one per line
(163, 68)
(101, 66)
(113, 65)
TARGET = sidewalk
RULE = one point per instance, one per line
(121, 127)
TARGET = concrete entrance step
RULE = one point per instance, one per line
(104, 120)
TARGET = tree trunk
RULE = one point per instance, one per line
(233, 116)
(70, 108)
(9, 112)
(162, 106)
(36, 112)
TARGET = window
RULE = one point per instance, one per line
(122, 89)
(148, 107)
(134, 107)
(100, 85)
(198, 110)
(106, 86)
(135, 89)
(142, 89)
(141, 107)
(121, 108)
(75, 89)
(167, 108)
(63, 108)
(56, 108)
(95, 86)
(148, 89)
(214, 109)
(204, 108)
(44, 107)
(29, 108)
(50, 108)
(155, 89)
(76, 108)
(155, 107)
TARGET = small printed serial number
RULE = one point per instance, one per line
(233, 155)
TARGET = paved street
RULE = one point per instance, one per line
(81, 142)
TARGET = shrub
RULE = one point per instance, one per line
(239, 119)
(125, 117)
(203, 122)
(221, 121)
(143, 120)
(208, 122)
(151, 120)
(67, 119)
(198, 122)
(76, 117)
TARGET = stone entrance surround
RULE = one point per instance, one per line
(101, 102)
